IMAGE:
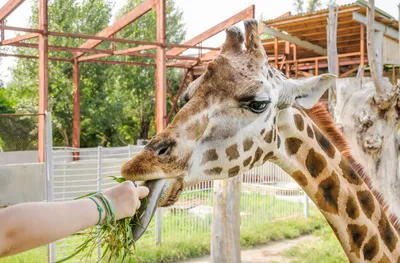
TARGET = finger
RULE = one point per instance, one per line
(128, 182)
(143, 191)
(138, 204)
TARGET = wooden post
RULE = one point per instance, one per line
(295, 61)
(276, 52)
(374, 46)
(333, 59)
(76, 110)
(43, 77)
(161, 79)
(2, 30)
(225, 230)
(362, 46)
(316, 67)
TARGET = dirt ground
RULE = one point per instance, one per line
(263, 254)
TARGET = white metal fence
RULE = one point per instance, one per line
(268, 194)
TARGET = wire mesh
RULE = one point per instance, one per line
(268, 194)
(18, 132)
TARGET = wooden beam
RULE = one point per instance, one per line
(120, 24)
(9, 7)
(76, 110)
(61, 48)
(19, 38)
(161, 81)
(388, 31)
(176, 98)
(295, 40)
(246, 13)
(349, 72)
(116, 62)
(134, 49)
(43, 77)
(34, 57)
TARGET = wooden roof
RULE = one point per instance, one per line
(311, 27)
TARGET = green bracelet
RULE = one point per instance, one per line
(110, 211)
(99, 208)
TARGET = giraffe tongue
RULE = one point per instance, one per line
(142, 219)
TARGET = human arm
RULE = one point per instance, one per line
(30, 225)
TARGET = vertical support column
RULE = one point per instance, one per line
(305, 204)
(362, 46)
(316, 67)
(2, 30)
(76, 110)
(99, 188)
(276, 52)
(161, 84)
(43, 76)
(161, 69)
(295, 61)
(49, 176)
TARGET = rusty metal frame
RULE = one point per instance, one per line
(108, 34)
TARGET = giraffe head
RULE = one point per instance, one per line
(228, 124)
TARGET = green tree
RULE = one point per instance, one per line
(313, 5)
(117, 102)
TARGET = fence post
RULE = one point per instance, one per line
(129, 151)
(305, 204)
(159, 219)
(49, 175)
(99, 176)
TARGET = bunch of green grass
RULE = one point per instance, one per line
(116, 240)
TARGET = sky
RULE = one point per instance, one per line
(199, 15)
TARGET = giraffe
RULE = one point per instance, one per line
(242, 113)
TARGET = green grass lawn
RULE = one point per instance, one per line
(326, 249)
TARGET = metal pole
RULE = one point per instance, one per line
(99, 176)
(305, 204)
(159, 215)
(49, 175)
(129, 151)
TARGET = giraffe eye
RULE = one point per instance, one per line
(258, 106)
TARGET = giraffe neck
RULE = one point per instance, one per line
(345, 200)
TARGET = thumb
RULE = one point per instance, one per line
(143, 191)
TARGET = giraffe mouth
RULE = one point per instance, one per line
(163, 192)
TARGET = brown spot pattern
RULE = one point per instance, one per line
(247, 161)
(310, 132)
(299, 122)
(233, 171)
(257, 155)
(325, 144)
(232, 152)
(349, 173)
(300, 178)
(328, 194)
(268, 156)
(352, 209)
(334, 229)
(387, 234)
(385, 259)
(247, 144)
(213, 171)
(262, 132)
(292, 145)
(209, 155)
(268, 136)
(367, 203)
(315, 163)
(357, 235)
(371, 248)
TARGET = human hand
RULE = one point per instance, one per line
(126, 198)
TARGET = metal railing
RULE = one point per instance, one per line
(268, 194)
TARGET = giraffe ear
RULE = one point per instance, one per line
(305, 92)
(191, 89)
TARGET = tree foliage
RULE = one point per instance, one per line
(117, 102)
(313, 5)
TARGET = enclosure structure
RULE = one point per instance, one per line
(298, 43)
(167, 55)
